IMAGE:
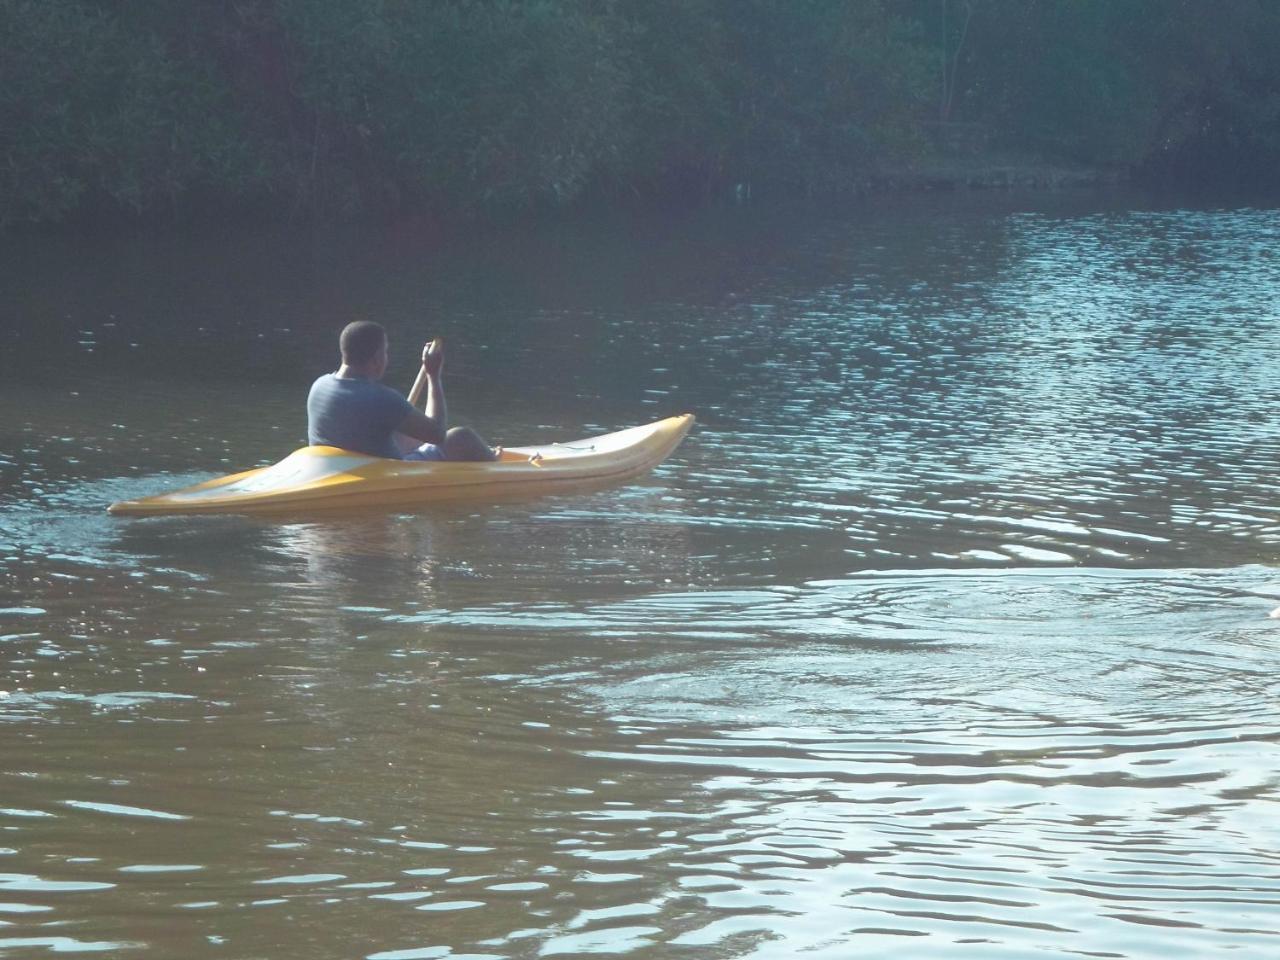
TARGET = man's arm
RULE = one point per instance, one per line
(421, 428)
(430, 427)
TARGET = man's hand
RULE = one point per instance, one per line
(433, 357)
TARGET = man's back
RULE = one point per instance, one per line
(355, 414)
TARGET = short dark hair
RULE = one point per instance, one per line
(360, 340)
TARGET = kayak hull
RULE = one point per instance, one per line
(315, 479)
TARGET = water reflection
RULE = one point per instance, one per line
(340, 557)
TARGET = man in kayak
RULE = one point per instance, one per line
(352, 410)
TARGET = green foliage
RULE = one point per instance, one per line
(1058, 76)
(824, 90)
(93, 114)
(809, 95)
(1134, 82)
(1218, 89)
(459, 101)
(350, 107)
(676, 109)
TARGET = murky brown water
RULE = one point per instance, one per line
(945, 633)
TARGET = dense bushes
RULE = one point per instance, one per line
(351, 107)
(1176, 86)
(93, 114)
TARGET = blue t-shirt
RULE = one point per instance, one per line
(355, 414)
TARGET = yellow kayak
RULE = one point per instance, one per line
(327, 478)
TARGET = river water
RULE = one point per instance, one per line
(945, 633)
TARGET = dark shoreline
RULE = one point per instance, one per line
(1010, 174)
(886, 185)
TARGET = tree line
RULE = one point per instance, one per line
(346, 108)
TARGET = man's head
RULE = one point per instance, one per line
(364, 347)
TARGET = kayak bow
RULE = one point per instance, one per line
(327, 478)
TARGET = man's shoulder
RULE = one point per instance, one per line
(353, 390)
(352, 385)
(326, 381)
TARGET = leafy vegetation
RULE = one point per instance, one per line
(471, 107)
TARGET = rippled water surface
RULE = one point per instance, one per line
(944, 634)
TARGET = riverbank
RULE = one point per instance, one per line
(901, 182)
(997, 173)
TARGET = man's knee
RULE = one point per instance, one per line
(463, 443)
